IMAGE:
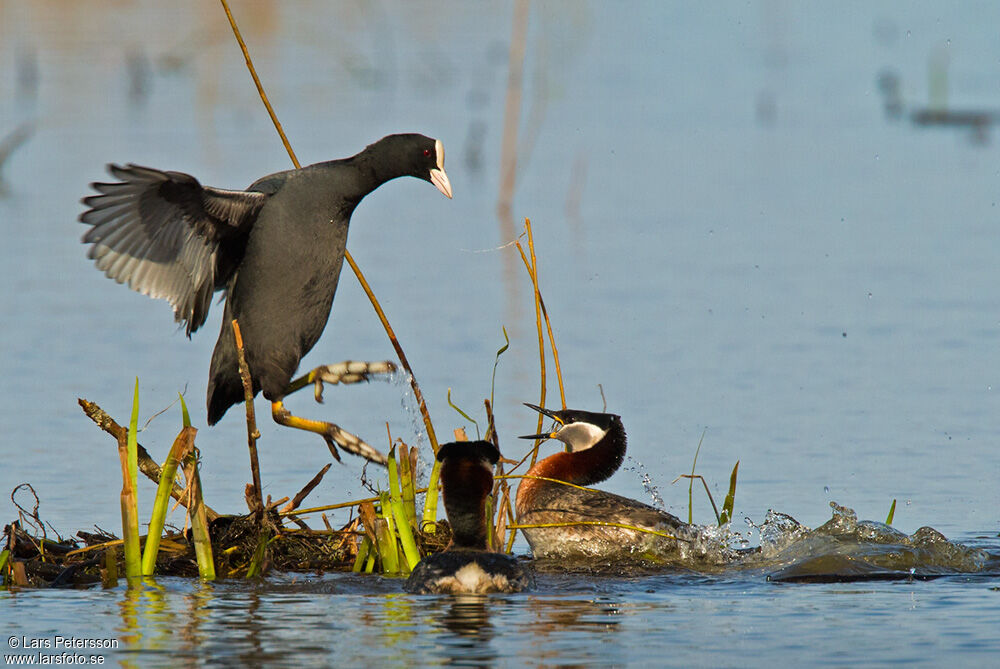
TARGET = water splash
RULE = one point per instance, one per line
(411, 408)
(843, 549)
(647, 483)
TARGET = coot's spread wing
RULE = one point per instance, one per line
(168, 236)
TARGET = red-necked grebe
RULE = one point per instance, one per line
(596, 447)
(467, 565)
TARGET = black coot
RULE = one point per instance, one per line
(276, 249)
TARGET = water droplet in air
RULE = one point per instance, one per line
(826, 489)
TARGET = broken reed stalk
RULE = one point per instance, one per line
(386, 537)
(181, 447)
(366, 512)
(362, 556)
(252, 433)
(308, 488)
(146, 464)
(407, 467)
(347, 254)
(128, 454)
(199, 522)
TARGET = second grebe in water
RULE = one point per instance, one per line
(596, 447)
(467, 565)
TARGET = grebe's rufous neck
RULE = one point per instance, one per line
(467, 565)
(596, 444)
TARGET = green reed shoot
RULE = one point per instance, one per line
(691, 481)
(363, 550)
(4, 559)
(407, 474)
(182, 445)
(385, 534)
(727, 504)
(402, 523)
(463, 414)
(109, 575)
(493, 379)
(428, 523)
(128, 453)
(892, 513)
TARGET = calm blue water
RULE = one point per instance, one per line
(733, 240)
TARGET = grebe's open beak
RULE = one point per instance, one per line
(545, 412)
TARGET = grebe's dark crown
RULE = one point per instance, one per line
(471, 450)
(603, 421)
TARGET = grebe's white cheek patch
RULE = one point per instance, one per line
(580, 436)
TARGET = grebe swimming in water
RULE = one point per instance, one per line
(596, 447)
(467, 565)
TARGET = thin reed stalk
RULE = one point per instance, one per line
(599, 523)
(533, 270)
(347, 254)
(252, 433)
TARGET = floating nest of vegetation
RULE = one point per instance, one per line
(32, 559)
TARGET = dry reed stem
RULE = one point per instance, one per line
(257, 505)
(533, 274)
(541, 346)
(308, 488)
(146, 464)
(347, 254)
(260, 87)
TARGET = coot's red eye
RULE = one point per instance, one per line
(427, 152)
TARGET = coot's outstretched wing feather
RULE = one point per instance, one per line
(168, 236)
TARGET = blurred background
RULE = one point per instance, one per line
(767, 223)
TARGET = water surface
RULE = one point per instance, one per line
(733, 237)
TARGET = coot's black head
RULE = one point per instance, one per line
(578, 429)
(411, 155)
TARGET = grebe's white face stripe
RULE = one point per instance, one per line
(580, 436)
